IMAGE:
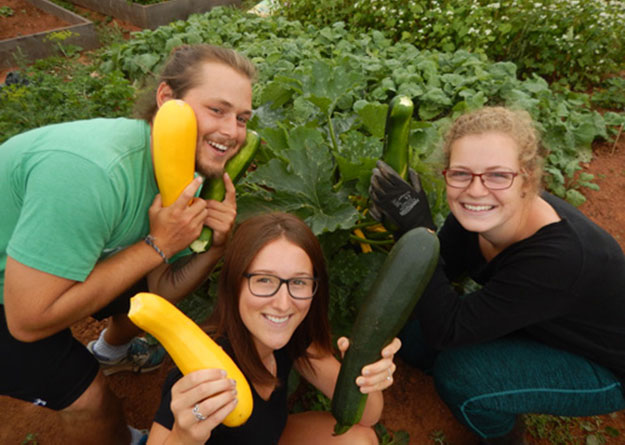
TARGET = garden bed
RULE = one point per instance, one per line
(152, 16)
(42, 43)
(411, 404)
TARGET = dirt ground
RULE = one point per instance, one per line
(25, 19)
(411, 404)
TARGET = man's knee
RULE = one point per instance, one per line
(96, 401)
(96, 416)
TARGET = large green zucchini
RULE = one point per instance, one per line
(386, 308)
(214, 188)
(396, 151)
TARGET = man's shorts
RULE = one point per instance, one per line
(121, 305)
(56, 371)
(52, 372)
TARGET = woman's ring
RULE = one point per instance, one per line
(390, 374)
(196, 412)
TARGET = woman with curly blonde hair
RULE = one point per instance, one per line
(544, 330)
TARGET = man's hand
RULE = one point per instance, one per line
(222, 215)
(174, 227)
(404, 205)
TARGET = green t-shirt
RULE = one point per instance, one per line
(74, 193)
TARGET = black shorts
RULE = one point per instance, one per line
(121, 304)
(52, 372)
(55, 371)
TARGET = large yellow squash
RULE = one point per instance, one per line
(174, 140)
(189, 346)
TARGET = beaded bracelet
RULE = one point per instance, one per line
(149, 240)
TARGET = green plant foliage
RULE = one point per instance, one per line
(61, 90)
(557, 429)
(350, 279)
(30, 439)
(610, 94)
(386, 437)
(577, 41)
(58, 38)
(6, 11)
(322, 96)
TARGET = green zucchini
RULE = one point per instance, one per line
(396, 151)
(214, 188)
(386, 308)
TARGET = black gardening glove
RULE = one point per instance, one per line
(404, 205)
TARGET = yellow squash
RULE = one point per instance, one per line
(189, 346)
(174, 139)
(366, 248)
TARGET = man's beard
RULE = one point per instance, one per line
(209, 172)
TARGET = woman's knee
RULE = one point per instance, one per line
(456, 376)
(363, 435)
(313, 427)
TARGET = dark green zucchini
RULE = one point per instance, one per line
(386, 308)
(396, 151)
(214, 188)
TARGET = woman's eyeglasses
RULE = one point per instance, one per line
(494, 180)
(267, 285)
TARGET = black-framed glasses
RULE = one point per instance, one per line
(492, 180)
(267, 285)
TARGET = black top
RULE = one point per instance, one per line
(564, 286)
(268, 419)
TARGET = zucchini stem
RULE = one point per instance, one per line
(370, 241)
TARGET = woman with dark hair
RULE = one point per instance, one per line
(271, 314)
(544, 332)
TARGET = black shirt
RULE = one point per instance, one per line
(268, 419)
(564, 286)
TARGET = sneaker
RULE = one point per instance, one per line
(138, 437)
(141, 357)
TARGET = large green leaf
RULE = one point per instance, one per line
(373, 116)
(301, 182)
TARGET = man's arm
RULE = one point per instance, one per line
(177, 280)
(38, 304)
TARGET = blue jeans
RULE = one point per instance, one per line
(487, 385)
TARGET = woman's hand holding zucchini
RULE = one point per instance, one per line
(376, 376)
(404, 204)
(214, 395)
